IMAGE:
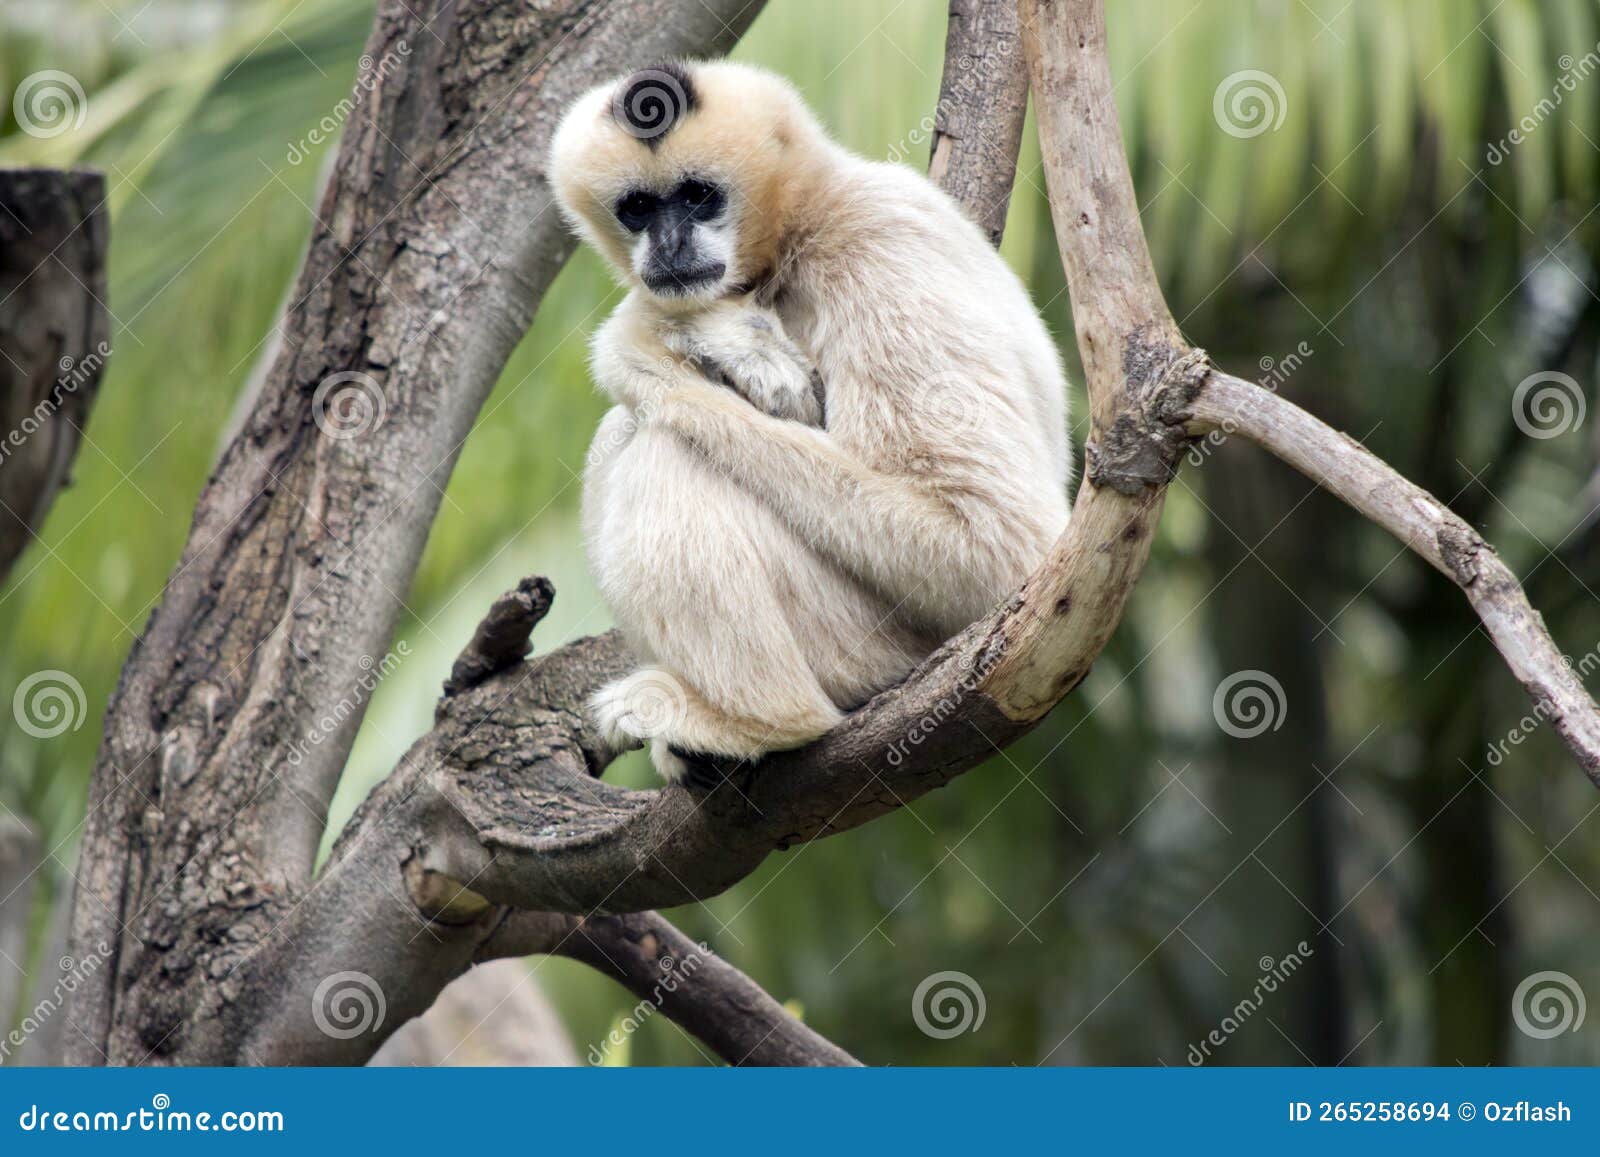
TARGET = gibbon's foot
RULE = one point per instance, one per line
(704, 772)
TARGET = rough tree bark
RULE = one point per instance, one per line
(53, 337)
(983, 100)
(493, 837)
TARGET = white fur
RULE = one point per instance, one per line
(772, 574)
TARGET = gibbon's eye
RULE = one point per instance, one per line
(635, 210)
(704, 200)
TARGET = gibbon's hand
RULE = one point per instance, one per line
(632, 366)
(743, 346)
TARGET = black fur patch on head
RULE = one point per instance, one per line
(650, 103)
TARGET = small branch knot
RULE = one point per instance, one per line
(440, 898)
(1147, 437)
(503, 638)
(1460, 549)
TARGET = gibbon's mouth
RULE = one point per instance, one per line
(673, 283)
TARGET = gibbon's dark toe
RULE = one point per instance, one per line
(707, 772)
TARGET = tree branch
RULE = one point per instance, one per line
(715, 1001)
(983, 100)
(53, 337)
(1423, 524)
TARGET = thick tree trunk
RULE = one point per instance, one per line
(983, 100)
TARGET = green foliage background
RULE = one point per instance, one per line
(1114, 881)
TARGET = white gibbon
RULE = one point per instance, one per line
(840, 430)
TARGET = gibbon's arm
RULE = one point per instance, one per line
(912, 547)
(629, 362)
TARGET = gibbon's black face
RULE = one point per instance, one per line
(683, 238)
(680, 175)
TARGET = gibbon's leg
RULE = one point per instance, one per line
(706, 773)
(683, 558)
(687, 733)
(909, 545)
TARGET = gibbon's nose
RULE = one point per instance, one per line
(674, 261)
(672, 233)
